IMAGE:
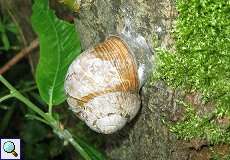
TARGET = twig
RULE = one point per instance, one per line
(33, 45)
(15, 93)
(46, 118)
(5, 97)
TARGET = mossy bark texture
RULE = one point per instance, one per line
(146, 137)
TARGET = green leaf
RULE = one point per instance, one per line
(59, 46)
(2, 27)
(12, 28)
(5, 41)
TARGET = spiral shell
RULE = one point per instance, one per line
(102, 86)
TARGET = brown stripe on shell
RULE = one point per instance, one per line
(86, 99)
(127, 67)
(116, 62)
(114, 49)
(117, 52)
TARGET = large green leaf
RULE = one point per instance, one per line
(59, 45)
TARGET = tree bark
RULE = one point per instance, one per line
(147, 137)
(150, 18)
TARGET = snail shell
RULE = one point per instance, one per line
(102, 86)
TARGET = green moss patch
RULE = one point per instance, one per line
(200, 63)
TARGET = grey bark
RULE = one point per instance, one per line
(146, 137)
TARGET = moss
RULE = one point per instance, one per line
(195, 126)
(201, 63)
(72, 4)
(220, 157)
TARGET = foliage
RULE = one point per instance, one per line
(59, 45)
(7, 30)
(201, 63)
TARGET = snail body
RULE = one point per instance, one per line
(102, 85)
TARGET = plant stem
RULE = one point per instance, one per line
(79, 148)
(34, 117)
(48, 119)
(34, 44)
(19, 96)
(29, 104)
(54, 124)
(5, 97)
(28, 89)
(50, 103)
(6, 83)
(50, 109)
(67, 136)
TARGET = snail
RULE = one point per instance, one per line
(103, 83)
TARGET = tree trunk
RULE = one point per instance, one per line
(146, 137)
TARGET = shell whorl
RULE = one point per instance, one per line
(116, 64)
(116, 51)
(102, 86)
